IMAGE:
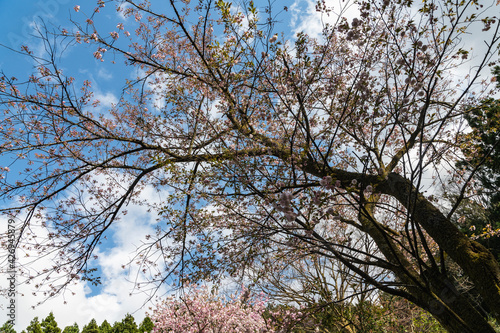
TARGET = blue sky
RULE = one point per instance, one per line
(111, 300)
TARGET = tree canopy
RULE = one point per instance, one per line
(91, 327)
(105, 327)
(7, 327)
(34, 326)
(49, 324)
(269, 145)
(72, 329)
(481, 213)
(483, 156)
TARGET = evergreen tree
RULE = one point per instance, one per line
(7, 328)
(105, 327)
(129, 325)
(49, 324)
(482, 155)
(71, 329)
(146, 325)
(34, 326)
(91, 327)
(117, 327)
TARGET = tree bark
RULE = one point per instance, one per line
(453, 310)
(476, 260)
(432, 290)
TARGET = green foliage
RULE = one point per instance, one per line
(482, 155)
(494, 323)
(105, 327)
(117, 327)
(399, 315)
(72, 329)
(129, 325)
(91, 327)
(49, 324)
(392, 315)
(485, 152)
(479, 216)
(146, 325)
(7, 328)
(343, 317)
(34, 326)
(389, 315)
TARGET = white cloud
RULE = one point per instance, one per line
(117, 296)
(103, 73)
(305, 18)
(120, 13)
(107, 99)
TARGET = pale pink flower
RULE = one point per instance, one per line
(290, 216)
(201, 308)
(76, 8)
(78, 37)
(325, 181)
(98, 55)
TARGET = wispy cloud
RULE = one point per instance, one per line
(306, 18)
(117, 297)
(103, 73)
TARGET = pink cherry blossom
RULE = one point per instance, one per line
(200, 310)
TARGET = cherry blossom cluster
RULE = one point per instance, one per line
(285, 205)
(202, 311)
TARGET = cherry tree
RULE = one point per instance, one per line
(265, 142)
(201, 310)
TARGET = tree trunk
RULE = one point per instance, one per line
(431, 289)
(476, 260)
(453, 310)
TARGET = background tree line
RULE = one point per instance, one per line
(49, 325)
(389, 316)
